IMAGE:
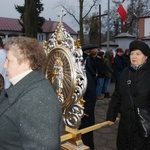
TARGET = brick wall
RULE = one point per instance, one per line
(141, 28)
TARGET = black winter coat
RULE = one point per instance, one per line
(91, 67)
(108, 64)
(89, 108)
(128, 133)
(101, 68)
(118, 66)
(126, 60)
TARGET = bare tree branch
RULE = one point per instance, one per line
(69, 12)
(94, 2)
(80, 9)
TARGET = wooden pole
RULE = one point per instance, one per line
(69, 136)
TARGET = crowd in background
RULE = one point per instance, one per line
(102, 68)
(129, 70)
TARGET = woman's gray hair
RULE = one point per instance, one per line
(25, 48)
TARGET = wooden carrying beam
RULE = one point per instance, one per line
(69, 136)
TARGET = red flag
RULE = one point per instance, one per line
(122, 10)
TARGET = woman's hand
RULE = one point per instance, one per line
(111, 122)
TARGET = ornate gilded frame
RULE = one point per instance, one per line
(66, 73)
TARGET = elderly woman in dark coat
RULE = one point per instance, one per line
(138, 73)
(30, 113)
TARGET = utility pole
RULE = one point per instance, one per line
(99, 37)
(99, 25)
(108, 38)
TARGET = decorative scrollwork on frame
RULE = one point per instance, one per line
(66, 73)
(72, 116)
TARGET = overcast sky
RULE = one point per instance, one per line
(50, 11)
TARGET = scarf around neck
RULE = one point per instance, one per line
(138, 67)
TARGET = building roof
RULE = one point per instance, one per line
(124, 35)
(146, 15)
(12, 24)
(9, 24)
(111, 43)
(146, 38)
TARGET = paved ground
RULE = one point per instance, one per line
(105, 137)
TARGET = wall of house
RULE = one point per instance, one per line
(123, 42)
(147, 27)
(6, 34)
(144, 29)
(141, 28)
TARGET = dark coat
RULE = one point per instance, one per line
(30, 115)
(108, 64)
(126, 60)
(89, 108)
(91, 67)
(121, 103)
(90, 97)
(118, 66)
(101, 68)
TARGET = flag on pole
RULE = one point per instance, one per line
(122, 10)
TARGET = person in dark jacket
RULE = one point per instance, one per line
(89, 108)
(109, 73)
(101, 73)
(137, 73)
(118, 64)
(126, 58)
(91, 65)
(30, 112)
(90, 101)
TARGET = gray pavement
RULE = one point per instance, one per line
(105, 137)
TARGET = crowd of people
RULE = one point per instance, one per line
(30, 112)
(130, 70)
(105, 67)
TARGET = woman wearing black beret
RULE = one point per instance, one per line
(132, 91)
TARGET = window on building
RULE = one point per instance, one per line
(41, 37)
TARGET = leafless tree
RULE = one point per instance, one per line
(136, 9)
(79, 10)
